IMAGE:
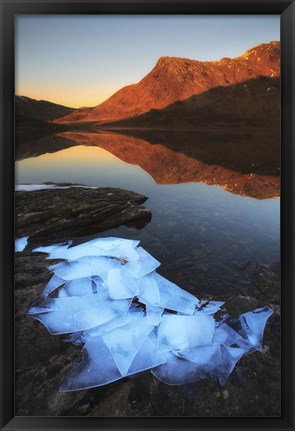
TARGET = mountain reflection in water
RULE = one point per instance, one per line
(201, 234)
(245, 164)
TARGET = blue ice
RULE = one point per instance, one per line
(181, 332)
(73, 314)
(107, 296)
(21, 243)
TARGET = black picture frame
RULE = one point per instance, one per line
(286, 9)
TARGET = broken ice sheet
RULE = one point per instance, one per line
(120, 286)
(182, 332)
(149, 292)
(117, 322)
(132, 319)
(172, 297)
(155, 290)
(124, 342)
(222, 362)
(177, 371)
(53, 284)
(84, 267)
(73, 314)
(21, 243)
(154, 315)
(108, 247)
(247, 330)
(144, 265)
(50, 248)
(214, 362)
(79, 287)
(98, 367)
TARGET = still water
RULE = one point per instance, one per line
(206, 238)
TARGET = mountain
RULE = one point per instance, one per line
(40, 109)
(175, 78)
(252, 103)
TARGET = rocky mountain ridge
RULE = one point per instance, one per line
(175, 78)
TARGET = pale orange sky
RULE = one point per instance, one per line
(83, 95)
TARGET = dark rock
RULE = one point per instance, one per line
(266, 282)
(66, 213)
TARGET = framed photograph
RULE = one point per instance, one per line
(147, 218)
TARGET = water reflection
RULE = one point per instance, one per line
(242, 164)
(201, 233)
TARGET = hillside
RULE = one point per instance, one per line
(253, 103)
(40, 109)
(175, 78)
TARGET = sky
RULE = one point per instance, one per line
(82, 60)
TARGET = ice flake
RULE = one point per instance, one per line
(112, 243)
(120, 287)
(149, 291)
(74, 314)
(214, 362)
(229, 359)
(147, 357)
(247, 330)
(50, 248)
(124, 342)
(222, 363)
(98, 367)
(154, 314)
(116, 247)
(144, 265)
(106, 327)
(53, 284)
(172, 297)
(62, 293)
(21, 243)
(177, 371)
(49, 306)
(256, 321)
(84, 267)
(79, 287)
(182, 332)
(200, 355)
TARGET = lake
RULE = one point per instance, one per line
(207, 229)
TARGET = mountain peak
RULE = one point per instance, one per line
(176, 78)
(266, 49)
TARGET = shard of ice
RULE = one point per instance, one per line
(107, 296)
(247, 329)
(98, 367)
(154, 314)
(181, 332)
(72, 314)
(124, 342)
(86, 266)
(21, 243)
(53, 284)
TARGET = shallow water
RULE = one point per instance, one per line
(199, 232)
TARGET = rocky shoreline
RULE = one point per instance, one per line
(42, 360)
(65, 213)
